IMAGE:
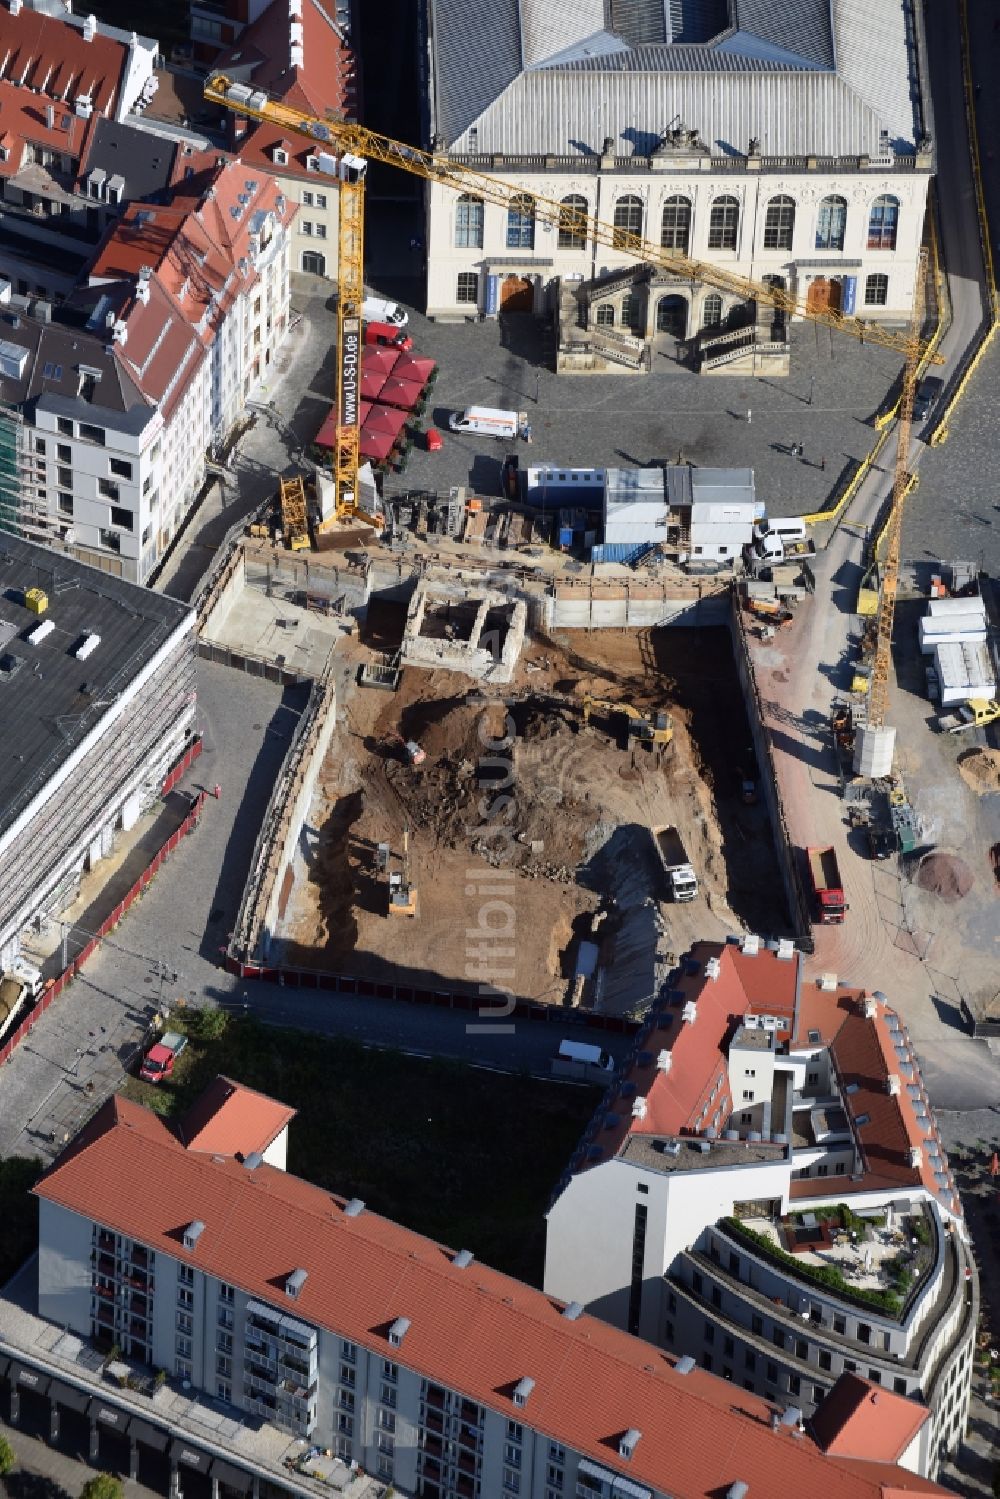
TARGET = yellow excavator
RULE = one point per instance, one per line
(641, 728)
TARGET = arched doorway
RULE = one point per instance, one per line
(516, 294)
(823, 295)
(671, 316)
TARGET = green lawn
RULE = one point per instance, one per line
(465, 1156)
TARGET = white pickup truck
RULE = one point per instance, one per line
(19, 985)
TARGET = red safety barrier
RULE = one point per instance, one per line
(185, 762)
(57, 985)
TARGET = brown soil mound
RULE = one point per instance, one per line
(980, 770)
(945, 875)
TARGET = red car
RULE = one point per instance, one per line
(385, 335)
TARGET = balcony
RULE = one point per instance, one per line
(432, 1445)
(140, 1257)
(434, 1422)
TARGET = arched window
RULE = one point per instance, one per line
(831, 223)
(605, 315)
(628, 221)
(469, 223)
(675, 226)
(877, 290)
(711, 312)
(724, 223)
(573, 223)
(779, 224)
(883, 222)
(630, 310)
(521, 223)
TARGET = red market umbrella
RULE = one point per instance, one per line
(402, 393)
(413, 367)
(384, 420)
(375, 446)
(372, 382)
(379, 361)
(327, 433)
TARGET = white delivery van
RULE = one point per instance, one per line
(771, 537)
(378, 310)
(490, 421)
(580, 1060)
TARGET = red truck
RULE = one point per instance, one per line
(828, 891)
(158, 1062)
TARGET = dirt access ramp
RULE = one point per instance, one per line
(521, 823)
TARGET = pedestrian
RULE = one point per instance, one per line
(749, 416)
(822, 465)
(526, 433)
(216, 791)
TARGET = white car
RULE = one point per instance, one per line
(378, 310)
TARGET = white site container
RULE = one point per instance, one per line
(953, 629)
(965, 671)
(940, 607)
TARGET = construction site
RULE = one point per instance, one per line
(467, 834)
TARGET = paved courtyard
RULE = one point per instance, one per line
(627, 420)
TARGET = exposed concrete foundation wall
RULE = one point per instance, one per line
(788, 856)
(477, 655)
(585, 611)
(268, 883)
(224, 590)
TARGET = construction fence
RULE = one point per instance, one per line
(57, 986)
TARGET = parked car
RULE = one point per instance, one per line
(926, 396)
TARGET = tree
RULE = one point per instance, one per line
(8, 1457)
(102, 1486)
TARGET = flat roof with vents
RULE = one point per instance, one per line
(45, 713)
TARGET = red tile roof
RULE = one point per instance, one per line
(45, 53)
(746, 984)
(864, 1051)
(24, 117)
(471, 1329)
(327, 76)
(229, 1119)
(860, 1419)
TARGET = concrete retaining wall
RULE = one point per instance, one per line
(274, 852)
(788, 859)
(588, 612)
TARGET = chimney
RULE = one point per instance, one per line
(869, 1007)
(15, 7)
(892, 1085)
(713, 968)
(50, 116)
(90, 28)
(664, 1061)
(639, 1109)
(916, 1156)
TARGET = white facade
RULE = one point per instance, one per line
(819, 262)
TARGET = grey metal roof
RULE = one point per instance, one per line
(142, 160)
(477, 54)
(822, 77)
(44, 711)
(51, 374)
(550, 26)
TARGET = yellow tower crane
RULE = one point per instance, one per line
(344, 150)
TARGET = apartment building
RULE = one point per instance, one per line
(98, 699)
(786, 143)
(121, 393)
(297, 51)
(765, 1191)
(312, 1314)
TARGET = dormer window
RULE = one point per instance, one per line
(280, 156)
